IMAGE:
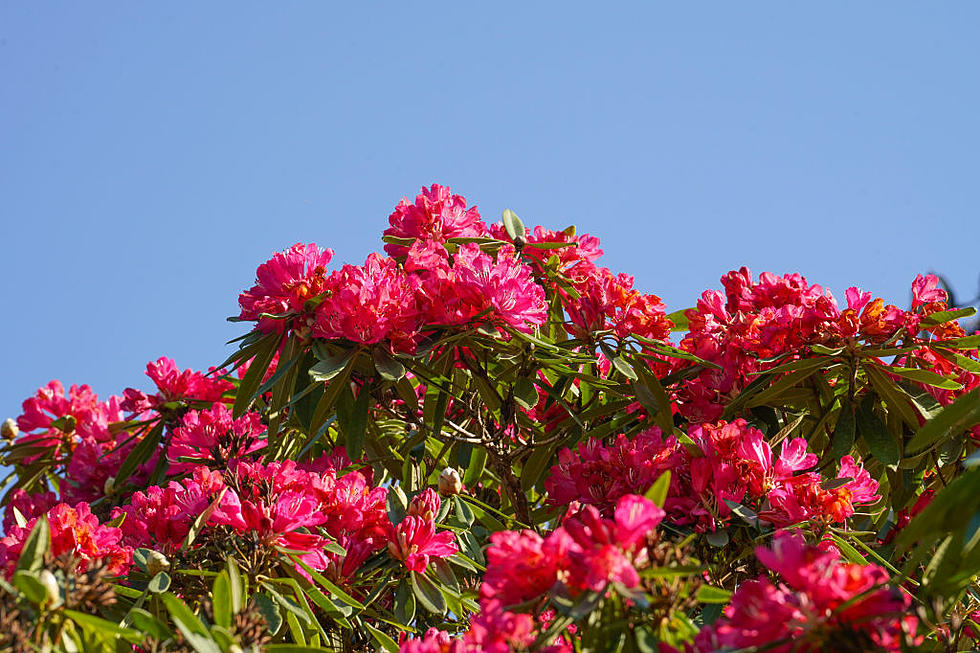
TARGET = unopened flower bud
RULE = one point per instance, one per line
(50, 584)
(109, 486)
(450, 482)
(156, 562)
(9, 430)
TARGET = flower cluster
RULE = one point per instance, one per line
(757, 320)
(397, 299)
(76, 531)
(585, 553)
(822, 603)
(724, 462)
(277, 504)
(174, 384)
(213, 438)
(58, 422)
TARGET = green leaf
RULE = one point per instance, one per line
(960, 415)
(941, 317)
(624, 368)
(382, 639)
(356, 427)
(881, 442)
(100, 625)
(148, 624)
(256, 372)
(747, 515)
(794, 378)
(202, 519)
(463, 512)
(661, 409)
(709, 594)
(235, 590)
(221, 599)
(35, 546)
(525, 392)
(843, 439)
(140, 454)
(679, 320)
(334, 589)
(927, 377)
(389, 368)
(478, 462)
(189, 625)
(658, 491)
(28, 583)
(513, 225)
(717, 538)
(159, 583)
(428, 594)
(331, 365)
(404, 603)
(269, 610)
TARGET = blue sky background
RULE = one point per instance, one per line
(153, 154)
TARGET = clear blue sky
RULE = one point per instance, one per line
(152, 154)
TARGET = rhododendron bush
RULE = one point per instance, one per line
(483, 440)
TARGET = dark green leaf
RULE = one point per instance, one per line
(382, 639)
(624, 368)
(100, 625)
(960, 415)
(235, 590)
(428, 594)
(389, 368)
(35, 546)
(525, 392)
(148, 624)
(256, 372)
(844, 432)
(404, 603)
(941, 317)
(357, 424)
(478, 462)
(881, 442)
(270, 611)
(717, 538)
(140, 454)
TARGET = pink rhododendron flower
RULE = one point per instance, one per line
(174, 385)
(368, 304)
(28, 505)
(61, 421)
(925, 290)
(284, 283)
(599, 475)
(585, 552)
(74, 530)
(436, 215)
(214, 438)
(822, 599)
(503, 286)
(415, 540)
